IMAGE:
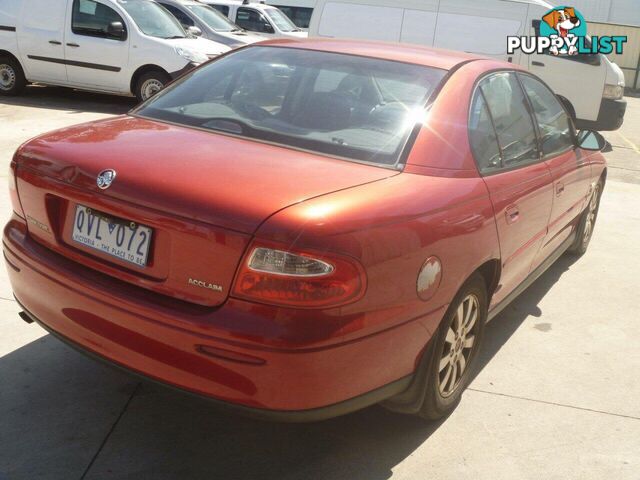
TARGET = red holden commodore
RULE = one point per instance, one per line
(302, 229)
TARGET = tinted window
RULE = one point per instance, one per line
(319, 101)
(213, 18)
(281, 21)
(483, 136)
(223, 9)
(184, 19)
(301, 16)
(514, 126)
(93, 18)
(152, 19)
(254, 21)
(554, 125)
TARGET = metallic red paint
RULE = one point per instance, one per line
(209, 196)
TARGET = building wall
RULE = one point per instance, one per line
(626, 12)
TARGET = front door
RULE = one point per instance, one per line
(95, 57)
(505, 147)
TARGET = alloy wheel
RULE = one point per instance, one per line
(458, 345)
(591, 216)
(7, 77)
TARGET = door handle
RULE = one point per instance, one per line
(559, 189)
(55, 42)
(74, 45)
(537, 64)
(512, 213)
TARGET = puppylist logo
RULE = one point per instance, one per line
(563, 31)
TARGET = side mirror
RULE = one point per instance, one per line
(194, 31)
(590, 140)
(267, 28)
(116, 30)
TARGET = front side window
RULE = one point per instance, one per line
(183, 18)
(556, 134)
(94, 19)
(223, 9)
(152, 19)
(213, 18)
(252, 20)
(334, 104)
(281, 21)
(514, 126)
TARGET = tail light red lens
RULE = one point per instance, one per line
(13, 190)
(275, 275)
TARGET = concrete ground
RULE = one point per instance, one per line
(556, 396)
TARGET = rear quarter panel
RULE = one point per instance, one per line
(391, 227)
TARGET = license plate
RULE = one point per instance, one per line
(119, 238)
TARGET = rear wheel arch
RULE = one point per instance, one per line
(490, 271)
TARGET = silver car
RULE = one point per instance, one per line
(213, 25)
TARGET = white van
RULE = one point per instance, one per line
(113, 46)
(258, 18)
(590, 86)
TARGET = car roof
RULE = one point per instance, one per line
(239, 3)
(416, 54)
(182, 2)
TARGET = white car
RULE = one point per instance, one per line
(126, 47)
(590, 86)
(259, 18)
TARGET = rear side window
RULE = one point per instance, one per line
(483, 136)
(513, 123)
(93, 19)
(556, 135)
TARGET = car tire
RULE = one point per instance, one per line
(150, 83)
(452, 351)
(587, 223)
(12, 79)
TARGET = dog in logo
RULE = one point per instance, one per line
(562, 21)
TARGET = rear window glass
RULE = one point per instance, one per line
(358, 108)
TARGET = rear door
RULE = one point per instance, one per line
(570, 172)
(94, 57)
(505, 147)
(41, 40)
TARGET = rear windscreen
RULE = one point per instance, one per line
(349, 106)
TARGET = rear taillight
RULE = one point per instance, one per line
(299, 279)
(13, 190)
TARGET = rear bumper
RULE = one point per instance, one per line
(277, 383)
(610, 116)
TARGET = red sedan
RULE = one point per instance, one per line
(302, 229)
